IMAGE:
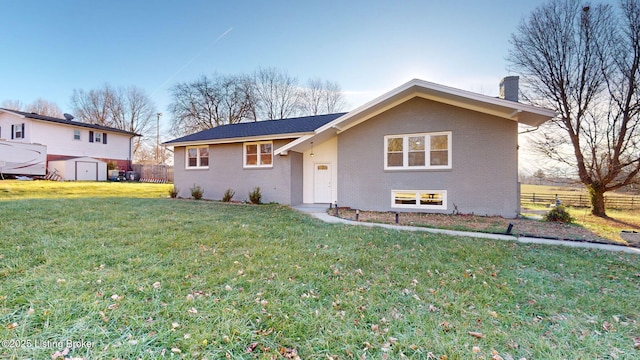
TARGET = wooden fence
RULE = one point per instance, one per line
(582, 200)
(154, 173)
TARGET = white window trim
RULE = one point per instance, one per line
(417, 205)
(259, 165)
(79, 134)
(97, 138)
(405, 152)
(186, 157)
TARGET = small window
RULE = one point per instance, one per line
(198, 157)
(97, 138)
(17, 131)
(418, 151)
(258, 154)
(76, 134)
(419, 199)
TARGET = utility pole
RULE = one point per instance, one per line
(158, 138)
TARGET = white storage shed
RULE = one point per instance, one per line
(80, 169)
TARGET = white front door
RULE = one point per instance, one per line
(86, 171)
(322, 183)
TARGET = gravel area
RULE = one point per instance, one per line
(490, 224)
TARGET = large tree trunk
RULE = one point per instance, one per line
(596, 194)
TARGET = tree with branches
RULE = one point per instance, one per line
(583, 61)
(209, 102)
(276, 94)
(38, 106)
(321, 97)
(128, 109)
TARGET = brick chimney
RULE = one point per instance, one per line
(509, 88)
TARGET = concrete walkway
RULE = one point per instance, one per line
(319, 211)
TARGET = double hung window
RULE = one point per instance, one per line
(418, 151)
(197, 157)
(258, 154)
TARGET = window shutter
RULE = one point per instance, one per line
(22, 133)
(90, 136)
(104, 138)
(12, 131)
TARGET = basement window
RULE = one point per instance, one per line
(419, 199)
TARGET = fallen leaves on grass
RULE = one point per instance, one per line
(608, 327)
(446, 327)
(289, 353)
(251, 347)
(475, 334)
(60, 354)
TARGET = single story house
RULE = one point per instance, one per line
(67, 139)
(419, 147)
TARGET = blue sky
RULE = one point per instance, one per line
(49, 48)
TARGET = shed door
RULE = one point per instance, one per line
(322, 183)
(86, 171)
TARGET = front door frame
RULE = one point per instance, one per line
(326, 197)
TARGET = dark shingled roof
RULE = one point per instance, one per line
(260, 128)
(70, 122)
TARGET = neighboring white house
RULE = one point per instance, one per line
(67, 139)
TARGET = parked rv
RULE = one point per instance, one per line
(18, 158)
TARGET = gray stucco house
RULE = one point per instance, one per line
(420, 147)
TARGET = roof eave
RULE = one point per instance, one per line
(523, 113)
(74, 123)
(237, 139)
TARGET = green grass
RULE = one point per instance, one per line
(137, 277)
(608, 228)
(14, 189)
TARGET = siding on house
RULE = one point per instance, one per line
(58, 135)
(281, 183)
(484, 175)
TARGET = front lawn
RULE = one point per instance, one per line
(156, 277)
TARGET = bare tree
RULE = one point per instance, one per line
(44, 107)
(148, 151)
(93, 106)
(209, 102)
(321, 97)
(13, 105)
(38, 106)
(276, 94)
(128, 109)
(133, 111)
(583, 61)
